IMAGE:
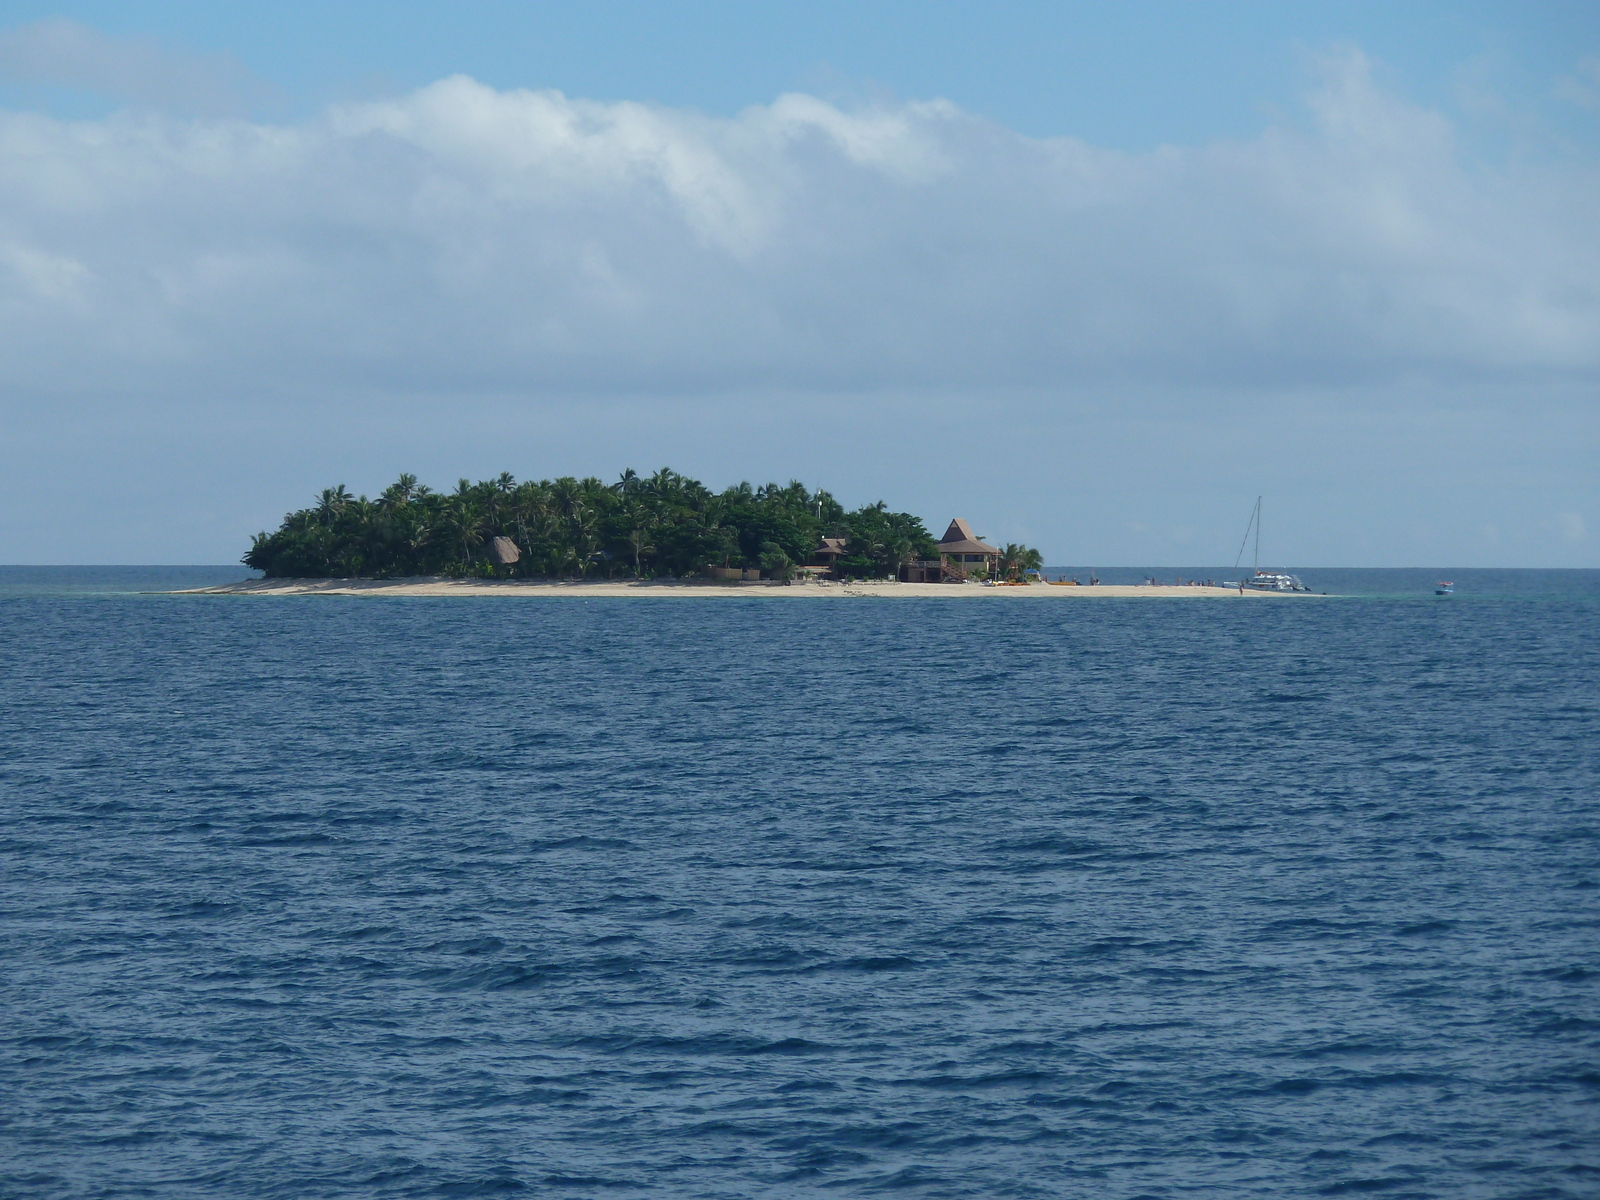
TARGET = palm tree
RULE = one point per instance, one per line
(1017, 559)
(417, 539)
(1010, 560)
(584, 546)
(901, 552)
(330, 505)
(399, 493)
(639, 543)
(461, 520)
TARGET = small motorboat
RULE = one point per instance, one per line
(1444, 588)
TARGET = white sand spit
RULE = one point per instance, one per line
(656, 589)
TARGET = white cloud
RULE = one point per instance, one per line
(42, 277)
(1572, 527)
(463, 237)
(138, 69)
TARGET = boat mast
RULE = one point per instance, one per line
(1258, 535)
(1255, 523)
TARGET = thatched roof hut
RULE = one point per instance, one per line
(832, 549)
(959, 539)
(504, 551)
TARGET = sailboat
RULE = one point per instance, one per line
(1259, 580)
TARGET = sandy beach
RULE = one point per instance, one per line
(816, 590)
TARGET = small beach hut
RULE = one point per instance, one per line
(504, 551)
(830, 552)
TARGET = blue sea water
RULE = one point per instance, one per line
(387, 897)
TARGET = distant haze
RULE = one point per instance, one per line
(1106, 353)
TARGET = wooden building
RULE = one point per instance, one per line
(829, 553)
(962, 548)
(960, 554)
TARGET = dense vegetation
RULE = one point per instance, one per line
(663, 524)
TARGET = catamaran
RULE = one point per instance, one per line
(1259, 580)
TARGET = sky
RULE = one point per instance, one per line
(1092, 276)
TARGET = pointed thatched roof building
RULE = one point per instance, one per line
(959, 539)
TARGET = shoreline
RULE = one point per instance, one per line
(648, 589)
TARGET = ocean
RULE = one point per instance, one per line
(306, 897)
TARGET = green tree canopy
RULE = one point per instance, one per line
(639, 526)
(1016, 559)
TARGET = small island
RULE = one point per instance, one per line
(664, 525)
(662, 534)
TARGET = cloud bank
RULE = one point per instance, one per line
(204, 321)
(467, 238)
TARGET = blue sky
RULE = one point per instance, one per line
(1129, 76)
(1091, 275)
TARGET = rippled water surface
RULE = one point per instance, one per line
(366, 897)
